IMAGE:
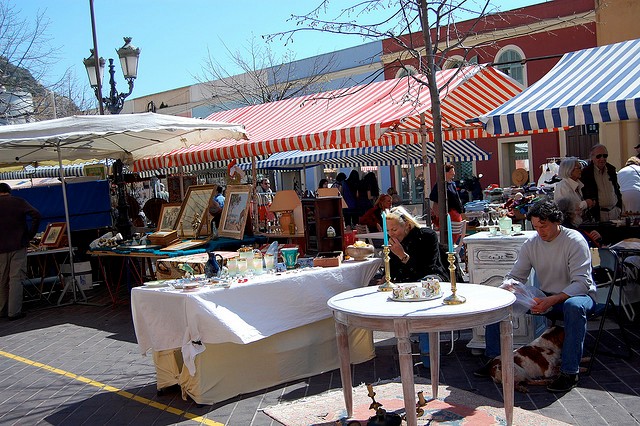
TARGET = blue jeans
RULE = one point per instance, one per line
(574, 312)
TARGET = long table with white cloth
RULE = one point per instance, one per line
(217, 343)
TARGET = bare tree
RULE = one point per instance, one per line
(263, 76)
(26, 57)
(426, 31)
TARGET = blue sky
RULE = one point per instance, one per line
(174, 36)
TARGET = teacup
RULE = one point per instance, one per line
(517, 228)
(290, 256)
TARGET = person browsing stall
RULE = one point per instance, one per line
(570, 188)
(601, 186)
(629, 180)
(16, 234)
(373, 217)
(454, 204)
(561, 260)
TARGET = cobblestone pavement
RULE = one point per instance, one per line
(80, 364)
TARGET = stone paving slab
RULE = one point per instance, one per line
(79, 364)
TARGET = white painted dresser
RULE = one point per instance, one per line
(490, 258)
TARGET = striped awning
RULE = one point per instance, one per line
(383, 113)
(457, 150)
(596, 85)
(29, 172)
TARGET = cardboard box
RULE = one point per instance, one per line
(328, 259)
(83, 274)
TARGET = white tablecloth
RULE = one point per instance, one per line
(270, 330)
(244, 313)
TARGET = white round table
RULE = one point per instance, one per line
(371, 309)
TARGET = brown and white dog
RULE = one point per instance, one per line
(536, 363)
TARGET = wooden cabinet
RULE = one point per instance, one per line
(489, 259)
(319, 214)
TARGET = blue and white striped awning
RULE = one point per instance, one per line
(29, 172)
(595, 85)
(457, 150)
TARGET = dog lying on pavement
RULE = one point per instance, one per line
(536, 363)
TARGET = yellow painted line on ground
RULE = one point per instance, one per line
(155, 404)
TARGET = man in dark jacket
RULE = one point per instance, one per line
(16, 235)
(601, 185)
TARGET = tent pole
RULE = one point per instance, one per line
(66, 216)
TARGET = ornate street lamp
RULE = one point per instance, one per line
(128, 55)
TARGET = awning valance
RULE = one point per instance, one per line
(457, 150)
(596, 85)
(378, 114)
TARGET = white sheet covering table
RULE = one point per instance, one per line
(269, 330)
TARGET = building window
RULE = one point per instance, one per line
(407, 70)
(455, 61)
(510, 57)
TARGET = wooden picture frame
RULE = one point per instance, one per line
(235, 211)
(168, 216)
(54, 236)
(184, 245)
(194, 210)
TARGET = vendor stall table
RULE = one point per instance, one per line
(221, 342)
(139, 262)
(39, 264)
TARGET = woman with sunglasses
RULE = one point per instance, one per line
(601, 185)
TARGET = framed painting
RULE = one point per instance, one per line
(54, 235)
(168, 216)
(235, 211)
(194, 211)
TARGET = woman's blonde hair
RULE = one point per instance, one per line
(402, 216)
(380, 198)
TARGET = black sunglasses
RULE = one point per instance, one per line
(599, 156)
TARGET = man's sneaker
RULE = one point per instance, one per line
(564, 383)
(484, 371)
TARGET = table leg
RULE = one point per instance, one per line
(405, 359)
(506, 352)
(342, 336)
(434, 361)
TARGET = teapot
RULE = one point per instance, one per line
(213, 267)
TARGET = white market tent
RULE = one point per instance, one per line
(127, 137)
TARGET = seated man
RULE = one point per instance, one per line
(562, 262)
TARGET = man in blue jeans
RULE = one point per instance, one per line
(562, 262)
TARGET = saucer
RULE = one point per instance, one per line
(417, 299)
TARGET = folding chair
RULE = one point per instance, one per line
(609, 274)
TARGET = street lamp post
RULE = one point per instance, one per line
(128, 55)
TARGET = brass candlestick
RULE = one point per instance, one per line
(454, 299)
(388, 285)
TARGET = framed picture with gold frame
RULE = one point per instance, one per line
(54, 236)
(194, 214)
(168, 216)
(235, 211)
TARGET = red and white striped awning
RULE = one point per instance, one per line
(377, 114)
